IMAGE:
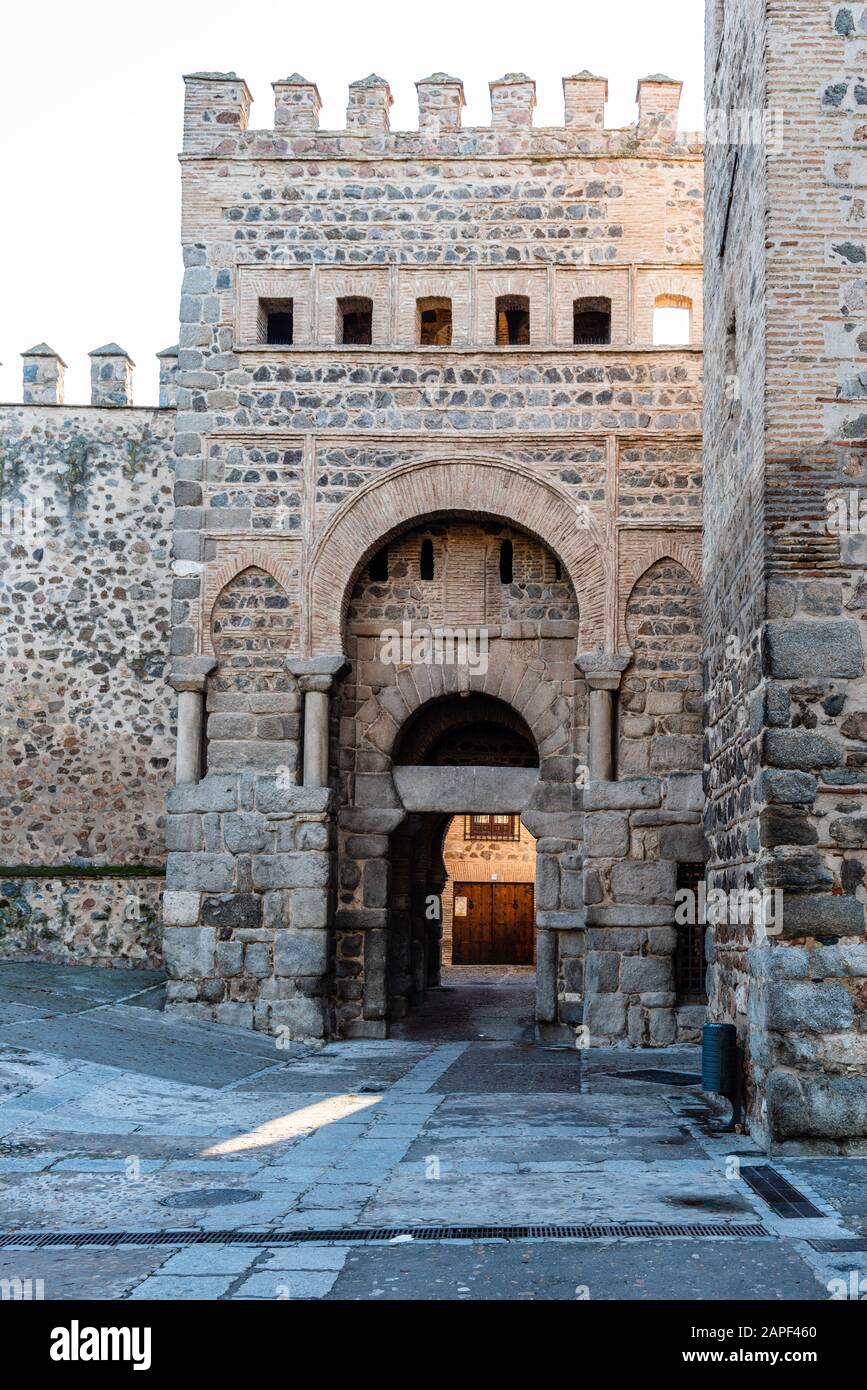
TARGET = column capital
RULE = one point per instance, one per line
(603, 670)
(191, 672)
(317, 674)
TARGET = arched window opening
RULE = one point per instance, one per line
(426, 560)
(671, 320)
(378, 567)
(355, 320)
(506, 562)
(513, 320)
(434, 322)
(591, 321)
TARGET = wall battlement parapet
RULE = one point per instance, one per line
(111, 376)
(217, 119)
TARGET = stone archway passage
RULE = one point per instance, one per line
(388, 504)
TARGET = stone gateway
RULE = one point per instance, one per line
(404, 587)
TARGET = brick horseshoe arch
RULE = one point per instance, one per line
(488, 487)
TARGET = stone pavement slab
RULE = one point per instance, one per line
(117, 1118)
(578, 1270)
(68, 989)
(81, 1274)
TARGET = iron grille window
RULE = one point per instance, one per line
(690, 960)
(491, 828)
(434, 322)
(281, 327)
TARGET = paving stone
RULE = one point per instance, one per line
(287, 1284)
(182, 1288)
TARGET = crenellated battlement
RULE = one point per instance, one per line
(217, 119)
(111, 376)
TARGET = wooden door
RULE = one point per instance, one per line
(472, 920)
(493, 924)
(512, 934)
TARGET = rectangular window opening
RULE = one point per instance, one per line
(672, 315)
(355, 321)
(434, 319)
(591, 322)
(513, 320)
(492, 827)
(277, 321)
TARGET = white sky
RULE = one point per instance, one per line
(91, 104)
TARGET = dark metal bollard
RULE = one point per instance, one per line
(719, 1050)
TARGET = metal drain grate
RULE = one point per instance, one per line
(779, 1194)
(618, 1230)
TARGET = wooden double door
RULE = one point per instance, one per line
(493, 924)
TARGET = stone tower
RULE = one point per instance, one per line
(418, 390)
(784, 553)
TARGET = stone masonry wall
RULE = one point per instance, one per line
(86, 719)
(735, 225)
(784, 715)
(285, 450)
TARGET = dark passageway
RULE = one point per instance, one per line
(475, 1003)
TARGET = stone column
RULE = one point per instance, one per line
(658, 100)
(603, 672)
(189, 678)
(316, 677)
(440, 99)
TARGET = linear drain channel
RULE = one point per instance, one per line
(778, 1193)
(641, 1230)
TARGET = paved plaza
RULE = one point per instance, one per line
(115, 1118)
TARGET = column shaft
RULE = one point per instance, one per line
(316, 738)
(188, 767)
(601, 735)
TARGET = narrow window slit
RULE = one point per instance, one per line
(506, 558)
(426, 560)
